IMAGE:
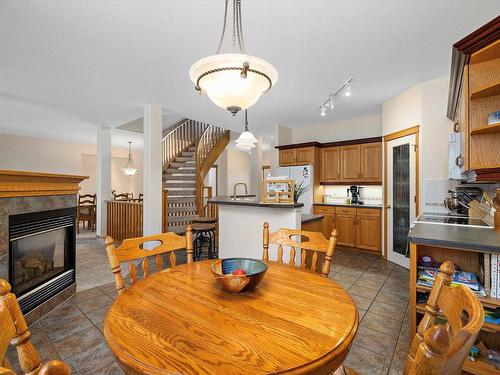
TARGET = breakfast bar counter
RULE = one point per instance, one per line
(241, 222)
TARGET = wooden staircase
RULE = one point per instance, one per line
(189, 151)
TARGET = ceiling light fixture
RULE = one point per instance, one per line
(129, 169)
(246, 140)
(329, 103)
(233, 81)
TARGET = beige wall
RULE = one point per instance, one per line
(424, 105)
(53, 156)
(239, 169)
(361, 127)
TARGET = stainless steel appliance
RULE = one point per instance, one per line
(355, 192)
(460, 198)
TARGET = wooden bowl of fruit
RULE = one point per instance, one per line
(238, 275)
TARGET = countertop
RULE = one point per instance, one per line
(306, 218)
(249, 201)
(458, 237)
(349, 205)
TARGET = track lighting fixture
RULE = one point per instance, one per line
(329, 103)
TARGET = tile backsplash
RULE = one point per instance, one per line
(369, 194)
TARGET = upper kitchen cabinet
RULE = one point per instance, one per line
(474, 101)
(330, 164)
(287, 157)
(350, 163)
(371, 162)
(303, 154)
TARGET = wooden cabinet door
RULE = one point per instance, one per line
(330, 164)
(368, 232)
(304, 155)
(350, 162)
(371, 162)
(346, 227)
(328, 223)
(287, 157)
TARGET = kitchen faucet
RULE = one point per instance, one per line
(234, 189)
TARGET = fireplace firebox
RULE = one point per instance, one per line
(41, 255)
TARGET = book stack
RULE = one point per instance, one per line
(491, 315)
(427, 275)
(490, 273)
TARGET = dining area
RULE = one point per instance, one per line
(300, 308)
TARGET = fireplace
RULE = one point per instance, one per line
(41, 255)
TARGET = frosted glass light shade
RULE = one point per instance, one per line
(246, 138)
(129, 171)
(227, 88)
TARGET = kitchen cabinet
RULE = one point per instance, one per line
(371, 162)
(350, 163)
(328, 223)
(287, 157)
(474, 95)
(297, 156)
(330, 164)
(368, 231)
(346, 226)
(357, 227)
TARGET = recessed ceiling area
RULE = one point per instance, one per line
(69, 66)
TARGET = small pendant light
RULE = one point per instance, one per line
(246, 140)
(129, 169)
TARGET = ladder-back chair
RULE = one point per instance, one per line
(15, 332)
(131, 250)
(442, 349)
(314, 242)
(86, 211)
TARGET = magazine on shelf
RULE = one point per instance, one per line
(468, 279)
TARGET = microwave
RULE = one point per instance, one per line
(456, 169)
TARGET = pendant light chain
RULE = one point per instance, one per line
(237, 35)
(223, 29)
(246, 121)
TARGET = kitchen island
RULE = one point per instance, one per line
(241, 221)
(469, 248)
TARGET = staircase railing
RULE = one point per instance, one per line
(211, 144)
(179, 139)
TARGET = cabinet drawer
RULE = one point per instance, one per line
(373, 212)
(324, 210)
(350, 211)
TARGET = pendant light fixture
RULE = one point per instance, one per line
(233, 81)
(129, 169)
(246, 140)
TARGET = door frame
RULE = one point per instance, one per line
(390, 137)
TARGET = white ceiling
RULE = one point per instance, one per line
(67, 66)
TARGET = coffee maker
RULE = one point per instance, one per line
(355, 192)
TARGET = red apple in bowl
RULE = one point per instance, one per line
(239, 272)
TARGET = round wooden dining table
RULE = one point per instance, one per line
(180, 321)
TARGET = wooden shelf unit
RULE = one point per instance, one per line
(486, 92)
(466, 260)
(488, 129)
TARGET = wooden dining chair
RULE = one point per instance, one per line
(14, 331)
(313, 243)
(122, 196)
(442, 349)
(86, 211)
(131, 250)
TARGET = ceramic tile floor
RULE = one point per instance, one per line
(73, 331)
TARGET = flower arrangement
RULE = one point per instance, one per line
(299, 189)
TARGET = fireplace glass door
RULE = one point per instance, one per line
(41, 254)
(38, 258)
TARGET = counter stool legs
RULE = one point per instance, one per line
(200, 238)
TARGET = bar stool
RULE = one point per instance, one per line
(205, 220)
(204, 232)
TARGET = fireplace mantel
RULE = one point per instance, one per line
(34, 184)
